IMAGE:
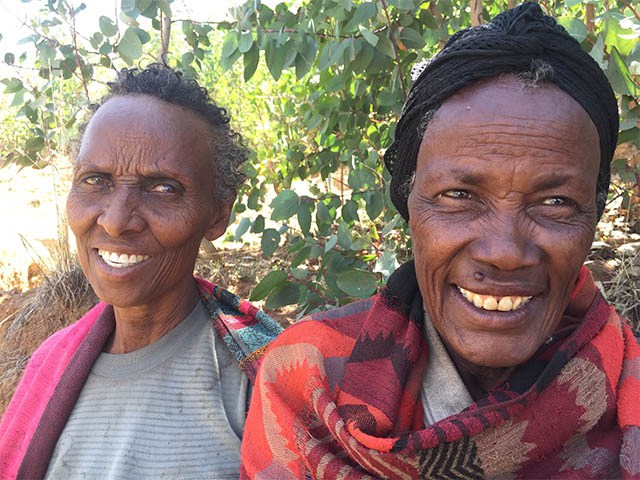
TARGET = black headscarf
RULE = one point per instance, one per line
(511, 43)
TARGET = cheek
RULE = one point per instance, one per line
(178, 229)
(80, 214)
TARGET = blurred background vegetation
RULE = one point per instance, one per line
(315, 87)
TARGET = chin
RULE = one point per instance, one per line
(496, 357)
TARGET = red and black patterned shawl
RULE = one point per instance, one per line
(338, 396)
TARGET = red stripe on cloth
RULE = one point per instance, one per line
(47, 367)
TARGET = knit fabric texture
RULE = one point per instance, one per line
(338, 397)
(58, 369)
(516, 41)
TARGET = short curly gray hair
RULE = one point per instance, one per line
(228, 151)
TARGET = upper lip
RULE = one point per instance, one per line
(120, 250)
(501, 291)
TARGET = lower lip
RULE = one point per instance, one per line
(493, 319)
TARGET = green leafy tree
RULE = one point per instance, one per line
(316, 87)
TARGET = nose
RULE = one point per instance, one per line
(507, 244)
(119, 214)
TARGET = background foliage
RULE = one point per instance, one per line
(316, 88)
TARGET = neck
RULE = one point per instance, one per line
(139, 326)
(478, 379)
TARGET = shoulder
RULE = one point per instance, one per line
(66, 336)
(330, 333)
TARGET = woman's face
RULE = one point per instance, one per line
(142, 199)
(502, 215)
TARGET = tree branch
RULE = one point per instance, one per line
(395, 51)
(165, 34)
(633, 10)
(77, 54)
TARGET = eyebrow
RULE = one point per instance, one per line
(482, 178)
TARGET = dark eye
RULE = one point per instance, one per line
(556, 201)
(164, 188)
(456, 194)
(97, 180)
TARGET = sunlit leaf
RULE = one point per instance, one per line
(357, 283)
(285, 205)
(285, 294)
(270, 241)
(130, 45)
(270, 281)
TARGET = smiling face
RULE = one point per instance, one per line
(502, 215)
(142, 199)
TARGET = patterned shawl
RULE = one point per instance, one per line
(57, 371)
(338, 397)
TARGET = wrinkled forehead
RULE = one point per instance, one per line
(502, 119)
(506, 99)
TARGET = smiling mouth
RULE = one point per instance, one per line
(121, 260)
(491, 303)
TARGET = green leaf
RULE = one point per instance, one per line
(9, 58)
(285, 205)
(164, 6)
(576, 27)
(363, 58)
(270, 281)
(107, 27)
(128, 7)
(130, 45)
(34, 144)
(344, 235)
(357, 283)
(13, 85)
(246, 42)
(251, 60)
(333, 240)
(411, 38)
(385, 46)
(275, 57)
(242, 228)
(142, 5)
(258, 225)
(369, 36)
(230, 44)
(300, 274)
(270, 241)
(227, 62)
(403, 5)
(47, 54)
(286, 294)
(307, 51)
(617, 34)
(363, 13)
(301, 257)
(572, 3)
(386, 264)
(142, 35)
(350, 212)
(374, 204)
(619, 75)
(597, 51)
(304, 215)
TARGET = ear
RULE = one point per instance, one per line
(219, 223)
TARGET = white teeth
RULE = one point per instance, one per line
(121, 260)
(491, 303)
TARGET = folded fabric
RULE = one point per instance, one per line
(338, 397)
(57, 371)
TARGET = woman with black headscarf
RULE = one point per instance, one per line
(491, 354)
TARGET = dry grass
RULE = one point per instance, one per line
(623, 288)
(61, 299)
